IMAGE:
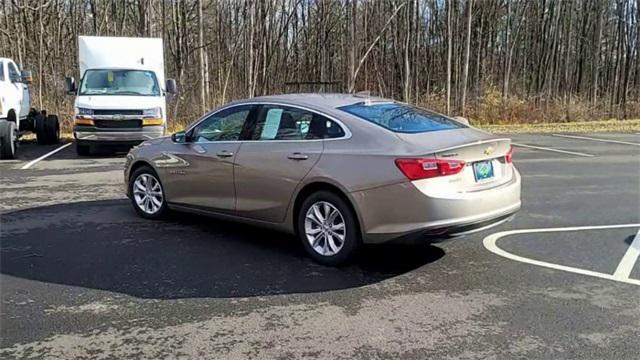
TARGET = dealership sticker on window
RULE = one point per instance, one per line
(271, 124)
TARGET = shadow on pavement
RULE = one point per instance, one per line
(629, 239)
(105, 245)
(97, 152)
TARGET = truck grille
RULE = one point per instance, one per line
(118, 124)
(117, 112)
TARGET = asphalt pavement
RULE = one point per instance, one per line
(81, 276)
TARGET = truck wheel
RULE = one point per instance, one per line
(8, 139)
(53, 128)
(83, 150)
(39, 125)
(47, 129)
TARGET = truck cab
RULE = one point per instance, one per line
(17, 117)
(14, 93)
(121, 97)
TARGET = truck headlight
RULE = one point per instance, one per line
(154, 113)
(152, 117)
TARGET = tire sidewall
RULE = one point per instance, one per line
(10, 143)
(163, 208)
(352, 240)
(40, 125)
(52, 129)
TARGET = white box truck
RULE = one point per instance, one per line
(121, 96)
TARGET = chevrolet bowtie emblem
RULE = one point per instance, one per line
(489, 150)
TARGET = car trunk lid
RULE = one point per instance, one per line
(484, 156)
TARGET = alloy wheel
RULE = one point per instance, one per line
(147, 193)
(325, 228)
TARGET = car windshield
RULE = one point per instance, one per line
(119, 82)
(402, 118)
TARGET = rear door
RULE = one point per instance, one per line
(282, 149)
(205, 178)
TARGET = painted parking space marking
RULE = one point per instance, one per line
(33, 162)
(625, 266)
(596, 139)
(629, 259)
(552, 150)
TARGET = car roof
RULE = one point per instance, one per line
(320, 101)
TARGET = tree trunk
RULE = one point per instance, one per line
(465, 74)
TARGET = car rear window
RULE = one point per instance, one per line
(402, 118)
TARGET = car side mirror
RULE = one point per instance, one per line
(180, 137)
(171, 87)
(26, 77)
(461, 119)
(70, 86)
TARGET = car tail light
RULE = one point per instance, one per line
(416, 169)
(509, 157)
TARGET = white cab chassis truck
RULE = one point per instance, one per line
(121, 96)
(16, 115)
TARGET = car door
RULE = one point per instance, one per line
(204, 178)
(20, 90)
(271, 164)
(4, 89)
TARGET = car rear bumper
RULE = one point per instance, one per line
(408, 211)
(91, 134)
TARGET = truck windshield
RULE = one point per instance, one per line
(402, 118)
(119, 82)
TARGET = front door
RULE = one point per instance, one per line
(204, 177)
(20, 90)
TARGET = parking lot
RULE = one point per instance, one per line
(83, 276)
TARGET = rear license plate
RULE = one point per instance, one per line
(483, 170)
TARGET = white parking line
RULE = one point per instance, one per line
(552, 150)
(33, 162)
(489, 243)
(629, 259)
(596, 139)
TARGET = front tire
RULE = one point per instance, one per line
(83, 150)
(328, 228)
(8, 139)
(147, 194)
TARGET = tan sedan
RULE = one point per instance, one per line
(335, 169)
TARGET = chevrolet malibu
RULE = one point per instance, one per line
(337, 170)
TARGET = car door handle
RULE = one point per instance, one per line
(224, 154)
(298, 156)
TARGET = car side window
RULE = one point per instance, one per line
(14, 74)
(323, 128)
(276, 122)
(1, 71)
(225, 125)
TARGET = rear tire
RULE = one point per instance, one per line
(83, 150)
(47, 129)
(8, 139)
(328, 229)
(147, 194)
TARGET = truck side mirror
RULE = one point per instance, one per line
(171, 87)
(70, 85)
(26, 77)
